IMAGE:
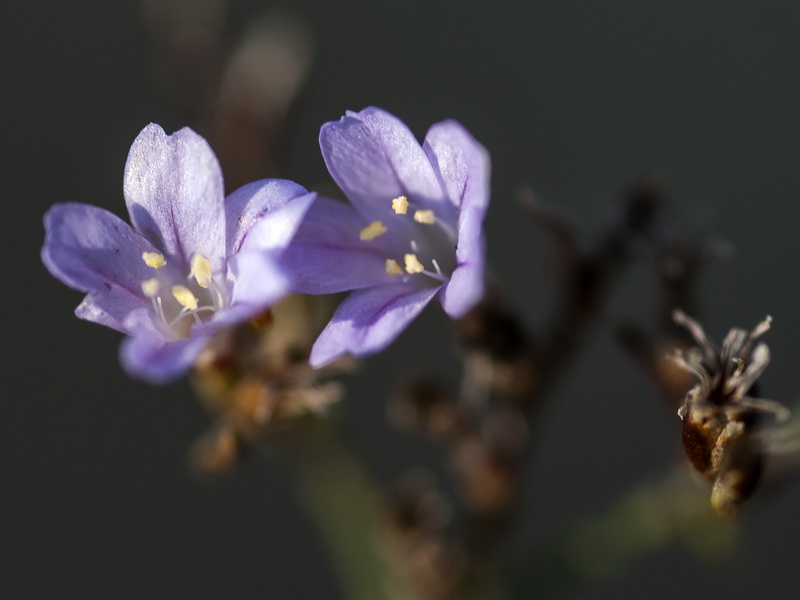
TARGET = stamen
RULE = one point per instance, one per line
(159, 308)
(400, 205)
(412, 264)
(184, 297)
(436, 276)
(425, 216)
(154, 259)
(372, 231)
(150, 287)
(436, 266)
(185, 311)
(201, 270)
(392, 268)
(217, 299)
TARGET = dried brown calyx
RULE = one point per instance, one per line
(721, 415)
(255, 382)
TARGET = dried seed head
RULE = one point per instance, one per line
(719, 419)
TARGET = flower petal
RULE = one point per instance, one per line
(461, 164)
(374, 158)
(93, 250)
(157, 361)
(259, 283)
(463, 167)
(369, 320)
(327, 255)
(276, 206)
(110, 308)
(174, 192)
(466, 285)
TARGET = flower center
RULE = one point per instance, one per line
(423, 243)
(181, 303)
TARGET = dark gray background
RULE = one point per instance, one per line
(577, 98)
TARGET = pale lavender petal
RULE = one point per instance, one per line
(327, 255)
(157, 361)
(258, 284)
(463, 167)
(277, 205)
(461, 163)
(315, 270)
(110, 308)
(369, 320)
(274, 231)
(174, 192)
(92, 250)
(466, 285)
(374, 158)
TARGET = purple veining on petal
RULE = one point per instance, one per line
(111, 308)
(374, 157)
(327, 256)
(174, 191)
(92, 250)
(369, 320)
(404, 155)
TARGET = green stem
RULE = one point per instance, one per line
(344, 506)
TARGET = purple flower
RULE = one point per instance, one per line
(193, 262)
(413, 230)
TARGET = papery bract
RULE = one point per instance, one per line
(193, 262)
(413, 229)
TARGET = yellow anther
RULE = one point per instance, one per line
(392, 268)
(371, 231)
(150, 287)
(153, 259)
(425, 216)
(184, 297)
(201, 270)
(412, 264)
(400, 205)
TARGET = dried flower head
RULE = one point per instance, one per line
(720, 417)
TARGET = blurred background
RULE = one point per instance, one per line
(576, 99)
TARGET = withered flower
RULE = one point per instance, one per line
(721, 413)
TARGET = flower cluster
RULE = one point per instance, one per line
(194, 261)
